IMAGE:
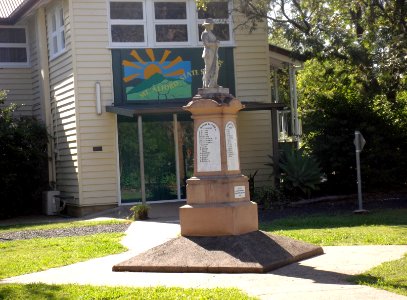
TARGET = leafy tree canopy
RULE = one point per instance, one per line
(369, 34)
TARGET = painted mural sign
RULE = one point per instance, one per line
(164, 74)
(163, 77)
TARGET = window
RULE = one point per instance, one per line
(165, 22)
(56, 31)
(127, 23)
(219, 12)
(13, 47)
(170, 22)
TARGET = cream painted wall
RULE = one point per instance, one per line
(63, 109)
(98, 173)
(252, 72)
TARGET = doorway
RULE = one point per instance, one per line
(155, 157)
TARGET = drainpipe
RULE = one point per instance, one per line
(45, 91)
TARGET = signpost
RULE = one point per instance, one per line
(359, 142)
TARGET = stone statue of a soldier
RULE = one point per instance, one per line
(210, 55)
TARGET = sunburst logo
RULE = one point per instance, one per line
(156, 79)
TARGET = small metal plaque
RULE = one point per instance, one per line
(240, 191)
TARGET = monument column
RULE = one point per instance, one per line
(218, 199)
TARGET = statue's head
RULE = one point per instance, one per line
(208, 24)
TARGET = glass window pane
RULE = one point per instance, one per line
(62, 39)
(129, 160)
(54, 23)
(55, 44)
(61, 17)
(12, 35)
(170, 10)
(221, 31)
(159, 161)
(171, 33)
(126, 10)
(127, 33)
(13, 55)
(214, 10)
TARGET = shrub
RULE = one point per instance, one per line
(23, 163)
(299, 172)
(140, 212)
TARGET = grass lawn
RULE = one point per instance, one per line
(386, 227)
(390, 276)
(33, 255)
(74, 292)
(25, 256)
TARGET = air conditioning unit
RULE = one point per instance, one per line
(50, 203)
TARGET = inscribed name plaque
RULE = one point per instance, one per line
(240, 191)
(208, 147)
(232, 154)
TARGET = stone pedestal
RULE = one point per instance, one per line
(218, 198)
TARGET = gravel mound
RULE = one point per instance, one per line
(64, 232)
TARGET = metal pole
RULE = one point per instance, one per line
(359, 179)
(141, 153)
(177, 171)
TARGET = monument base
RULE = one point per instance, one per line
(207, 189)
(254, 252)
(220, 219)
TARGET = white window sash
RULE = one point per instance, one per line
(149, 22)
(127, 22)
(16, 45)
(229, 42)
(59, 32)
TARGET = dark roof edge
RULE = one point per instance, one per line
(18, 12)
(287, 53)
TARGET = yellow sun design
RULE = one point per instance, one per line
(146, 69)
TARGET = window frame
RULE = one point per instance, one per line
(155, 22)
(60, 31)
(25, 45)
(127, 22)
(149, 22)
(229, 21)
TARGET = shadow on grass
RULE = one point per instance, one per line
(33, 291)
(380, 282)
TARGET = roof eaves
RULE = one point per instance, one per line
(15, 16)
(287, 53)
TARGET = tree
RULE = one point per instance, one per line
(355, 79)
(23, 162)
(369, 34)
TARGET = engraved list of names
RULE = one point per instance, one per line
(208, 147)
(232, 154)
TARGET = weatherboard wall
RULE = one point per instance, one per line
(252, 73)
(63, 102)
(92, 61)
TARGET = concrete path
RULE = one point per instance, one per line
(322, 277)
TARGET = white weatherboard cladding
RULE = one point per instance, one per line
(208, 147)
(232, 154)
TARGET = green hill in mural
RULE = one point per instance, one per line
(158, 87)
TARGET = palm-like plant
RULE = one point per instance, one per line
(299, 171)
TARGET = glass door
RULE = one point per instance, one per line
(155, 157)
(159, 160)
